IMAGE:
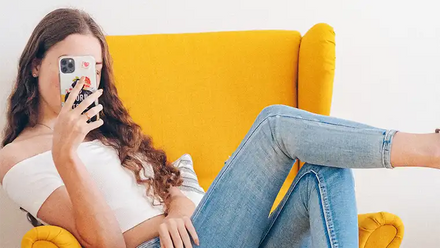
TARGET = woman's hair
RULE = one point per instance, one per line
(118, 130)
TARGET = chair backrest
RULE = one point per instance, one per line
(199, 93)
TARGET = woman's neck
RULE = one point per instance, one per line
(46, 116)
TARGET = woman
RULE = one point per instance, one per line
(55, 147)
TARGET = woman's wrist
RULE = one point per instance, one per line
(64, 157)
(180, 205)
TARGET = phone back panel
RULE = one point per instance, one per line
(83, 66)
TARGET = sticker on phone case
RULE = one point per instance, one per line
(86, 91)
(85, 64)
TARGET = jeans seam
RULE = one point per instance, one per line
(327, 213)
(324, 203)
(329, 123)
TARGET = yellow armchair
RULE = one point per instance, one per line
(199, 93)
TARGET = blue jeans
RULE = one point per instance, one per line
(319, 209)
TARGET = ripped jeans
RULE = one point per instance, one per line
(319, 209)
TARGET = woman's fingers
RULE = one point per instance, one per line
(165, 238)
(184, 235)
(174, 231)
(190, 227)
(88, 101)
(73, 94)
(91, 112)
(95, 124)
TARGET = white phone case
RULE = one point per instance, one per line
(84, 66)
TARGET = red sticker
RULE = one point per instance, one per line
(87, 82)
(85, 64)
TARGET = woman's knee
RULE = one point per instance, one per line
(275, 109)
(331, 175)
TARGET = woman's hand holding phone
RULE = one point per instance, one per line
(71, 126)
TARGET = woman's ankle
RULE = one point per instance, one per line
(416, 150)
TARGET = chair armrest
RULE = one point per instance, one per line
(49, 237)
(380, 230)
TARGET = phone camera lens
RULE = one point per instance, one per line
(67, 65)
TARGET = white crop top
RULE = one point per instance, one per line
(30, 182)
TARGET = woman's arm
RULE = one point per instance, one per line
(90, 220)
(179, 204)
(175, 191)
(95, 223)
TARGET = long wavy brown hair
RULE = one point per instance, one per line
(119, 130)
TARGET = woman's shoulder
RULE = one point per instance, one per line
(7, 158)
(21, 149)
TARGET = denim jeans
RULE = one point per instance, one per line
(319, 209)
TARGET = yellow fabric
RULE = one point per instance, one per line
(49, 237)
(44, 244)
(380, 230)
(316, 69)
(199, 93)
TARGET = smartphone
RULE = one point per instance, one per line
(71, 69)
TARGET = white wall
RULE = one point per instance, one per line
(388, 55)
